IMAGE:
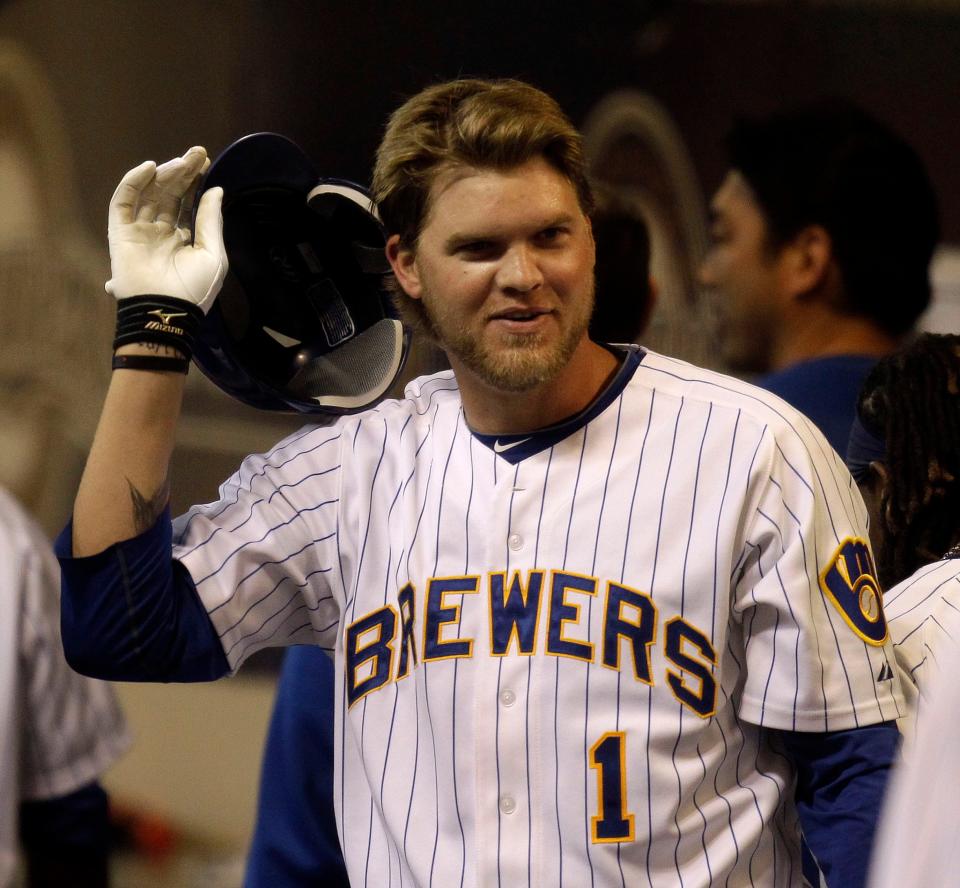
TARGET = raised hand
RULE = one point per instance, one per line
(152, 248)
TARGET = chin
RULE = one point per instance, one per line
(745, 361)
(519, 366)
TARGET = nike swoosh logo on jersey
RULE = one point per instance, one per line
(503, 448)
(886, 673)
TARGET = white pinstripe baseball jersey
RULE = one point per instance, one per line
(58, 730)
(555, 651)
(924, 617)
(916, 841)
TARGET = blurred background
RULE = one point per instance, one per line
(88, 90)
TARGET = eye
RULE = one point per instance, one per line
(552, 234)
(719, 234)
(476, 249)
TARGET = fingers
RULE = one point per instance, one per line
(125, 198)
(160, 200)
(186, 205)
(208, 232)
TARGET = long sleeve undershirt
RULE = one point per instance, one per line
(132, 613)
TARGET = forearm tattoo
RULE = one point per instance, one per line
(146, 510)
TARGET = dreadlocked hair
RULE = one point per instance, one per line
(911, 400)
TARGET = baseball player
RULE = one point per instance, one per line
(294, 839)
(917, 838)
(905, 454)
(598, 616)
(59, 731)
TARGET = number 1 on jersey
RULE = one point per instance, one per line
(608, 755)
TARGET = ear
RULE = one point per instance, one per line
(403, 261)
(808, 260)
(879, 476)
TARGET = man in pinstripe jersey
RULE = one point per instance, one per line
(59, 732)
(598, 616)
(294, 841)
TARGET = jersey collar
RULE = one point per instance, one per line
(514, 448)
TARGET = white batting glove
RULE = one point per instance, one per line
(150, 239)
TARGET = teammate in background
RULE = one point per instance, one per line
(58, 731)
(904, 453)
(598, 615)
(919, 832)
(294, 840)
(823, 232)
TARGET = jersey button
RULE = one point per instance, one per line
(507, 804)
(508, 697)
(515, 542)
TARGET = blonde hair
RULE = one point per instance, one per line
(486, 124)
(492, 124)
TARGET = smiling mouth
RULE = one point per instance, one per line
(521, 315)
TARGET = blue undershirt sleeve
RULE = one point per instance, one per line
(841, 778)
(132, 613)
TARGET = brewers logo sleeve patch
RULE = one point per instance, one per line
(557, 652)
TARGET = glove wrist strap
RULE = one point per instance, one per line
(161, 319)
(155, 363)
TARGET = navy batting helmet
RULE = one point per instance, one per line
(304, 320)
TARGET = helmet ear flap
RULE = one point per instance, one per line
(305, 321)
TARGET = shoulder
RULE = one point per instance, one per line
(422, 395)
(847, 369)
(361, 439)
(424, 398)
(783, 447)
(753, 404)
(935, 584)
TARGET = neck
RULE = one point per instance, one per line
(819, 332)
(492, 411)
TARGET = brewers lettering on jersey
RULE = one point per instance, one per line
(558, 659)
(591, 608)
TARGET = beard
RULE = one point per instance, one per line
(509, 362)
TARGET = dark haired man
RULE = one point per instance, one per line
(823, 232)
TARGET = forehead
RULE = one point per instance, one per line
(464, 197)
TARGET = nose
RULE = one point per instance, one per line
(520, 269)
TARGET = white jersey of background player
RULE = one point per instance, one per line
(904, 452)
(588, 606)
(920, 828)
(924, 617)
(59, 731)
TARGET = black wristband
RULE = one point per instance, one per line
(150, 362)
(160, 319)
